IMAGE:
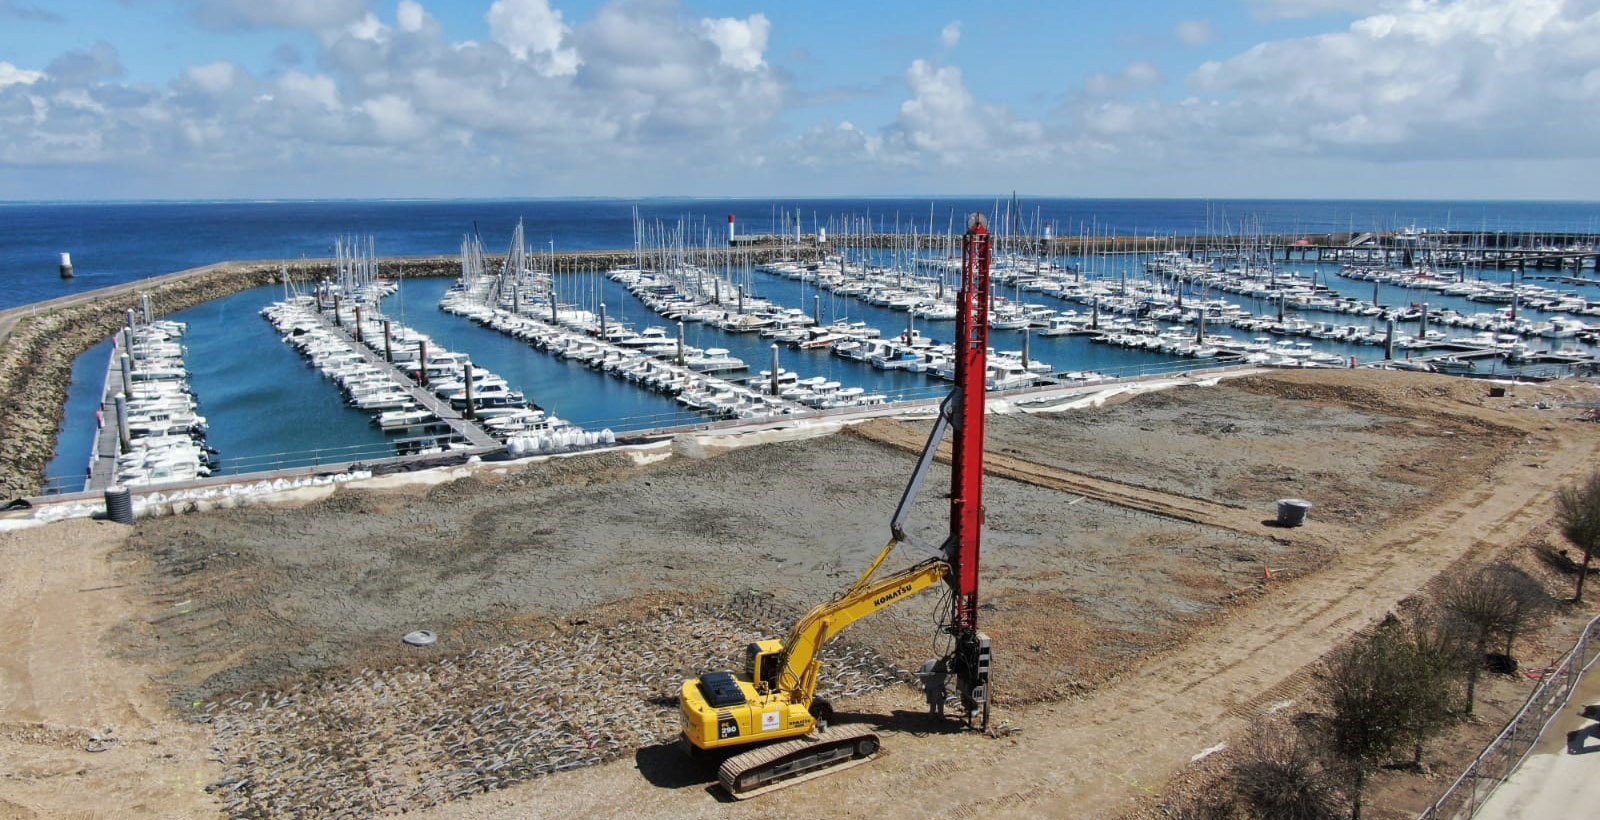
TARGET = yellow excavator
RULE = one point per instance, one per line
(771, 708)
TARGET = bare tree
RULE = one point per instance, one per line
(1578, 516)
(1531, 604)
(1276, 775)
(1366, 721)
(1438, 655)
(1281, 777)
(1498, 601)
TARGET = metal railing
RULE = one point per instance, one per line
(1502, 756)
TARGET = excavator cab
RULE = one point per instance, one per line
(762, 663)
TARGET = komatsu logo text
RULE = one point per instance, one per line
(886, 598)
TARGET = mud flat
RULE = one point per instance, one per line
(571, 595)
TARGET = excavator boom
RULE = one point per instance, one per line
(800, 664)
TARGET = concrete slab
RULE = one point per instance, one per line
(1561, 777)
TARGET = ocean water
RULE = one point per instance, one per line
(116, 242)
(267, 407)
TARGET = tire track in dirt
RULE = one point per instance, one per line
(1170, 505)
(59, 607)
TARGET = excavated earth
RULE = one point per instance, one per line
(571, 596)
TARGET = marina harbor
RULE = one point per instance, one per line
(778, 330)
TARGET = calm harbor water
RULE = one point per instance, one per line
(267, 406)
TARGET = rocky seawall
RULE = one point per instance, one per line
(36, 354)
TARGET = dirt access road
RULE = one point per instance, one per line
(62, 692)
(1174, 642)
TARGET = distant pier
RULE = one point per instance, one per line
(103, 461)
(1500, 250)
(459, 425)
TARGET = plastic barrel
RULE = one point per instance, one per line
(119, 504)
(1292, 511)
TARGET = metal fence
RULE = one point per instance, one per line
(1491, 768)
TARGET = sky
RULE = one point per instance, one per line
(245, 99)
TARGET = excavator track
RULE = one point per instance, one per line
(784, 764)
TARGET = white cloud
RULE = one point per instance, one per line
(368, 28)
(950, 34)
(316, 92)
(410, 15)
(741, 43)
(944, 120)
(11, 75)
(1465, 78)
(942, 115)
(647, 96)
(1421, 82)
(314, 15)
(80, 68)
(669, 79)
(213, 78)
(1195, 32)
(533, 31)
(394, 117)
(826, 144)
(658, 93)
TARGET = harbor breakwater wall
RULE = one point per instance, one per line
(38, 342)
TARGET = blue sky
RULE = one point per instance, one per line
(1212, 98)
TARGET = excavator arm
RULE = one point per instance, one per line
(800, 663)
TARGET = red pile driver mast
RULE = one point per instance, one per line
(970, 661)
(963, 411)
(966, 474)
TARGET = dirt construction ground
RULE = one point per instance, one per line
(246, 663)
